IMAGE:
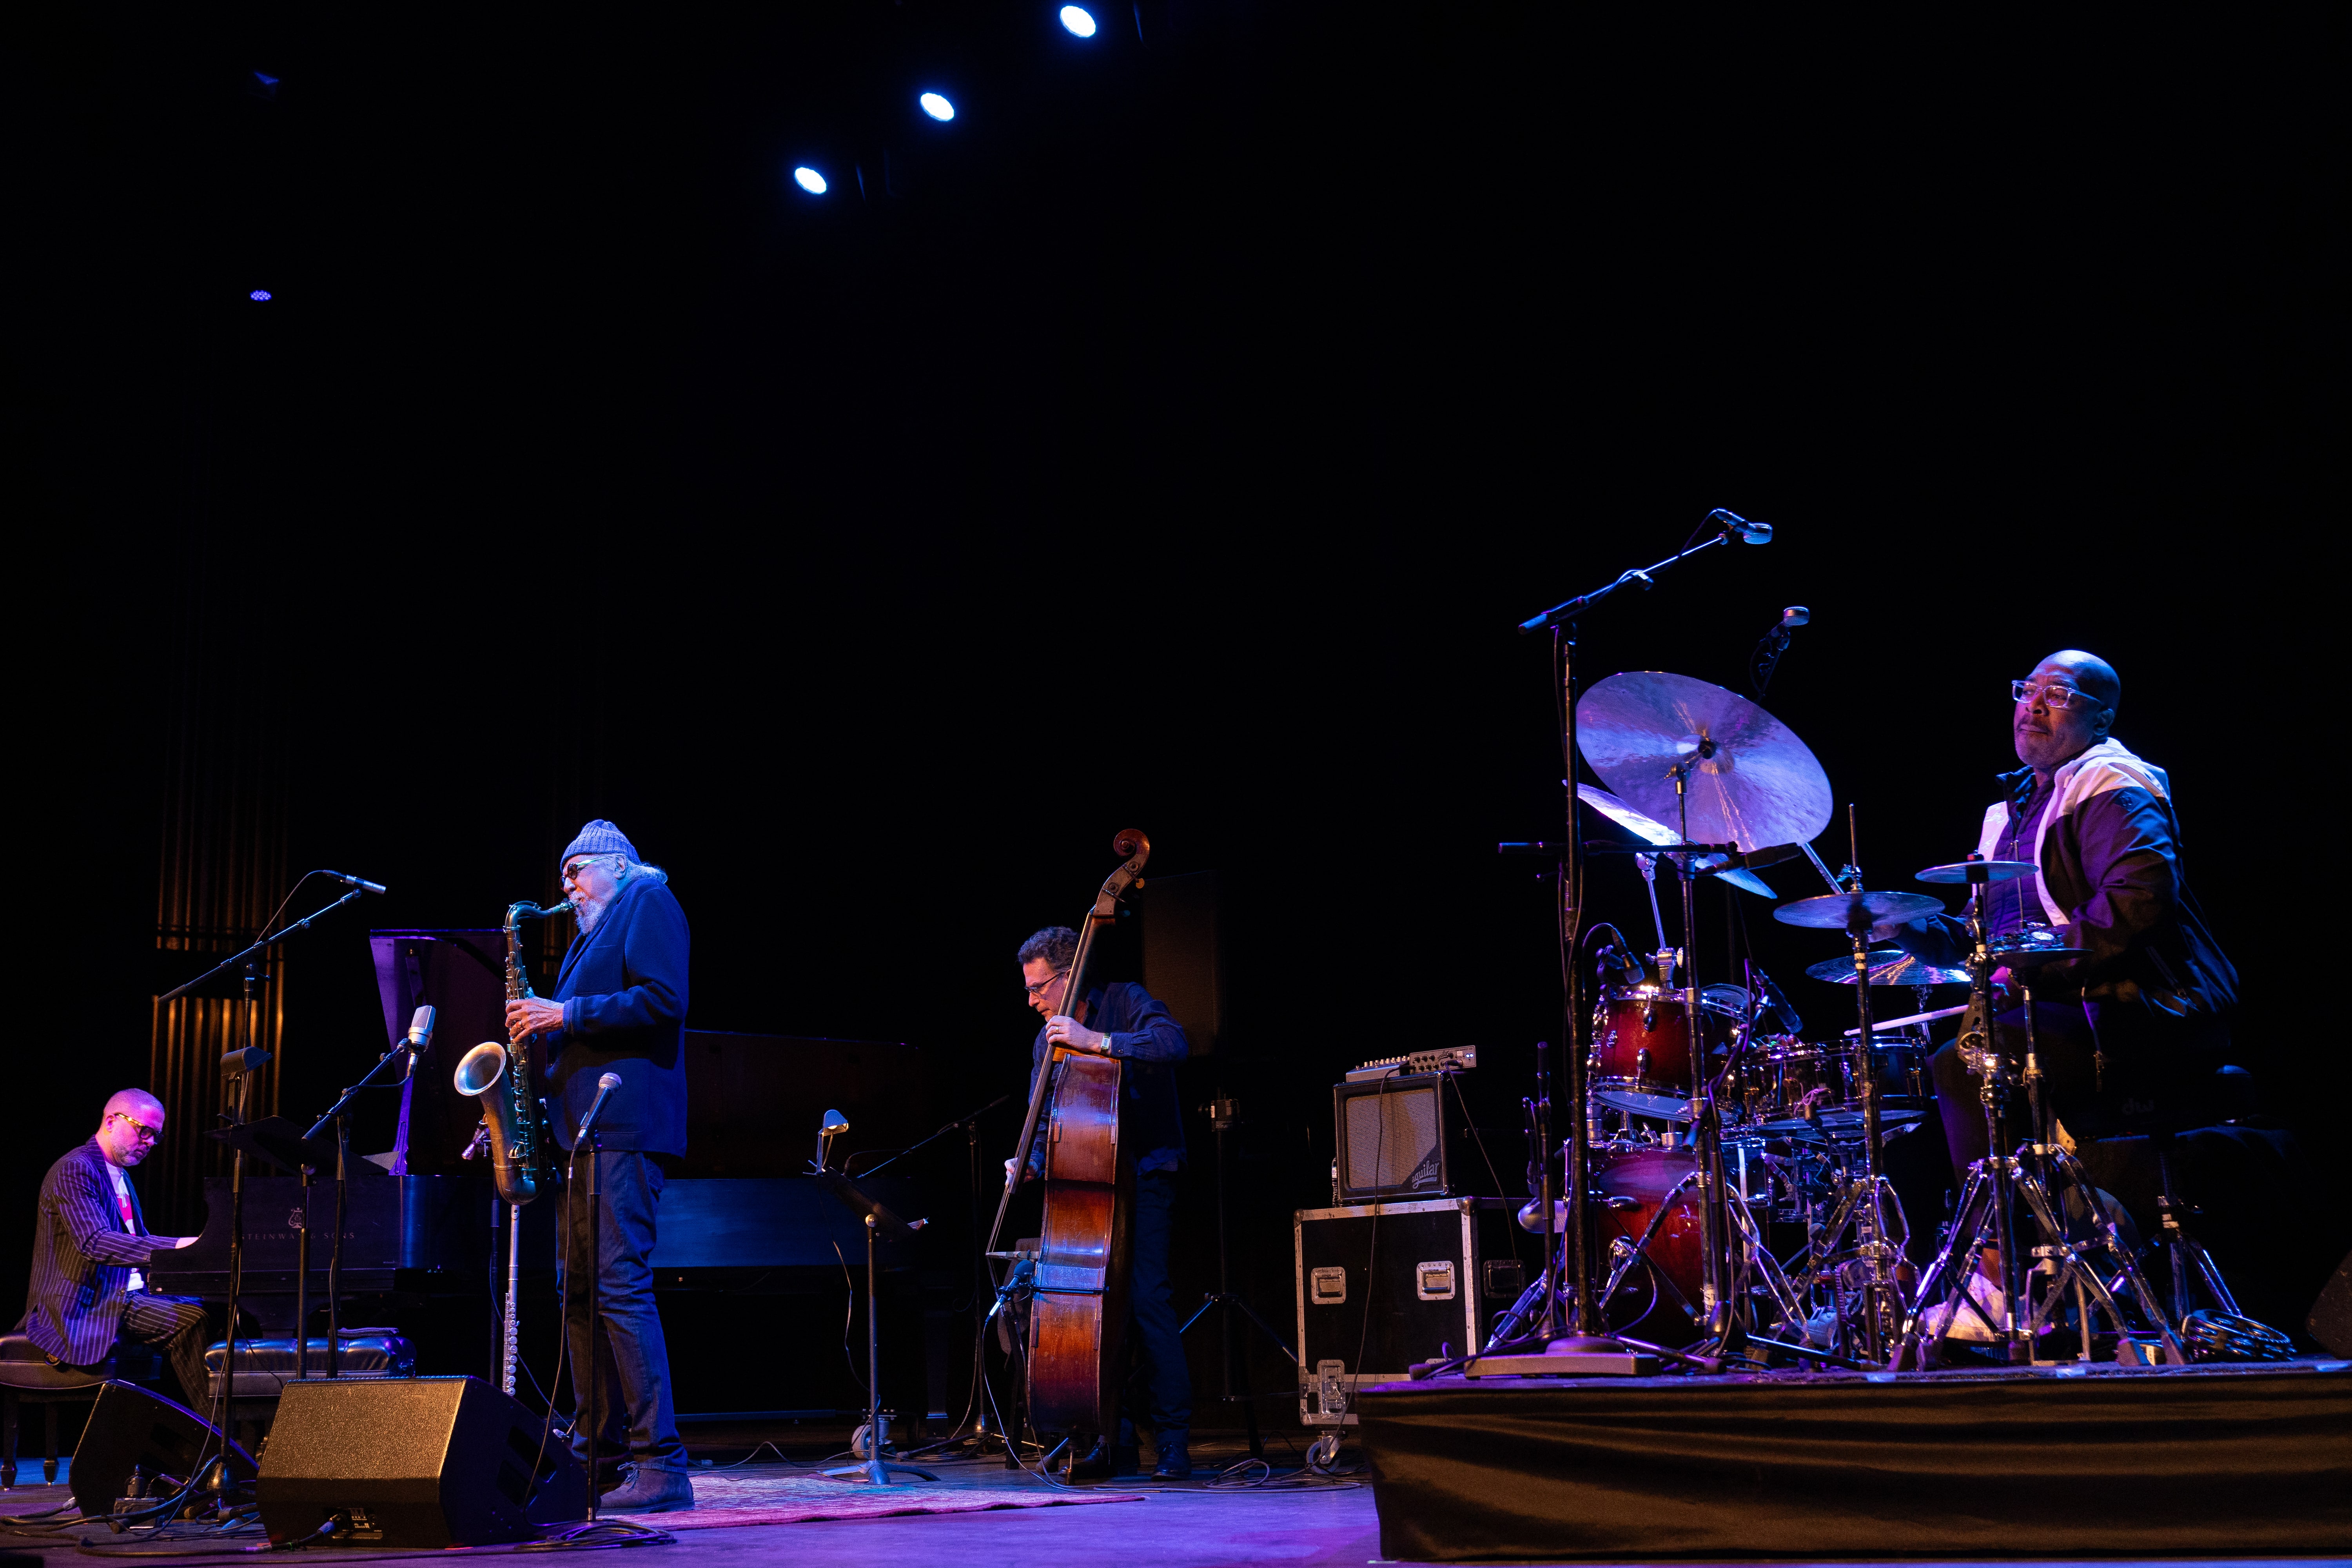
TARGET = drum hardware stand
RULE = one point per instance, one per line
(1592, 1352)
(1224, 1113)
(2181, 1248)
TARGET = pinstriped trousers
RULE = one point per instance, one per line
(177, 1323)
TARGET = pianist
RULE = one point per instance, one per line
(90, 1244)
(619, 1008)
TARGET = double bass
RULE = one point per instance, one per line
(1076, 1282)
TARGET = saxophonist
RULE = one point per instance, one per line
(619, 1007)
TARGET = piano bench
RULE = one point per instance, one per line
(27, 1374)
(264, 1367)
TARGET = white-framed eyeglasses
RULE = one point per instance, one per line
(2024, 691)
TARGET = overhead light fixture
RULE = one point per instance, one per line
(1078, 20)
(809, 180)
(937, 106)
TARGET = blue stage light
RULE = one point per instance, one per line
(258, 295)
(809, 180)
(1078, 20)
(937, 107)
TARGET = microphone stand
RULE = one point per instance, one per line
(236, 1158)
(1579, 1346)
(335, 1114)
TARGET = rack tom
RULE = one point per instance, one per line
(1788, 1086)
(1641, 1061)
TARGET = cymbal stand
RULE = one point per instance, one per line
(1721, 1323)
(1584, 1338)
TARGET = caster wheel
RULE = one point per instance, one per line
(1324, 1452)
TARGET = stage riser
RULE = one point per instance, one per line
(2158, 1462)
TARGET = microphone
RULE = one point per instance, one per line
(1766, 656)
(420, 1036)
(1732, 522)
(362, 883)
(605, 1088)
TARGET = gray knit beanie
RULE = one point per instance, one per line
(599, 838)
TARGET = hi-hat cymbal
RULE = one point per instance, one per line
(1750, 779)
(1854, 912)
(1659, 833)
(1994, 871)
(1888, 966)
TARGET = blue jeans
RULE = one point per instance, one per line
(631, 1357)
(1158, 1392)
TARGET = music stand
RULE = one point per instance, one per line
(879, 1221)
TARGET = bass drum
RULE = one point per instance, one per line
(1641, 1060)
(1635, 1185)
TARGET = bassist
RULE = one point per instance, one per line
(1124, 1021)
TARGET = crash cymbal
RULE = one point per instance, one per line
(1657, 833)
(1888, 966)
(1852, 911)
(1751, 781)
(1995, 870)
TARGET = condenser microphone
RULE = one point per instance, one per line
(362, 883)
(605, 1088)
(1732, 522)
(420, 1036)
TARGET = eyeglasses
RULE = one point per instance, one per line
(1038, 987)
(2023, 691)
(139, 1130)
(572, 872)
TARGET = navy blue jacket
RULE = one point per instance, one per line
(623, 988)
(1149, 1042)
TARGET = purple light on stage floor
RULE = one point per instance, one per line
(259, 296)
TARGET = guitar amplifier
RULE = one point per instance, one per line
(1381, 1286)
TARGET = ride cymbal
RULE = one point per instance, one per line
(1748, 780)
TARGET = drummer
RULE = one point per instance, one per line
(2121, 1031)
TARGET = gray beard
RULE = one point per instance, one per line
(591, 910)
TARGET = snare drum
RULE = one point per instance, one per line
(1788, 1086)
(1641, 1060)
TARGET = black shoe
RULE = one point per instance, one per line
(1175, 1464)
(1095, 1465)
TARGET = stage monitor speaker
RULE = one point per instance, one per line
(1392, 1137)
(130, 1428)
(417, 1462)
(2331, 1315)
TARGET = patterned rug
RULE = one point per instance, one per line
(750, 1496)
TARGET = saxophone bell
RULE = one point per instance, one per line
(483, 1071)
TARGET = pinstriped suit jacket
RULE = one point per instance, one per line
(83, 1261)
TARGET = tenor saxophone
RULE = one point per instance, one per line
(499, 1075)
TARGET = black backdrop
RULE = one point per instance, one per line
(1174, 440)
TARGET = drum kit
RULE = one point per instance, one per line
(1735, 1169)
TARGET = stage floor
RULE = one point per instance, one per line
(1170, 1527)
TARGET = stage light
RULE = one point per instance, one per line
(259, 296)
(1078, 20)
(937, 107)
(809, 180)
